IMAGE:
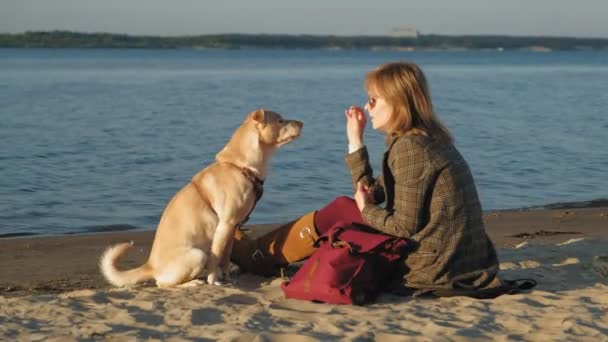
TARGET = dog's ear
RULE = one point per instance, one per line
(258, 116)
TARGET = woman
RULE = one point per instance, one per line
(426, 186)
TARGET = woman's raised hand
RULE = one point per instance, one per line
(355, 124)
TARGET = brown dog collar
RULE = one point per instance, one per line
(258, 187)
(258, 184)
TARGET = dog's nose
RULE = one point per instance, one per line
(299, 123)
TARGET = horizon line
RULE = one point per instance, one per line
(306, 34)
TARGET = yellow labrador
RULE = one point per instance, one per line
(196, 229)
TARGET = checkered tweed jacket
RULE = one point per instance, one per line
(430, 198)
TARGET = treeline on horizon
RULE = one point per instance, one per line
(69, 39)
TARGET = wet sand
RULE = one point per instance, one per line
(65, 263)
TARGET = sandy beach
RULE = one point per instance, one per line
(51, 289)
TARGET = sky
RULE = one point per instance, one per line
(582, 18)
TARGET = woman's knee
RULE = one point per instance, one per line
(343, 201)
(342, 208)
(338, 205)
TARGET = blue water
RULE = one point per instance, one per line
(94, 140)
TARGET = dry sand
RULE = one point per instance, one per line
(51, 290)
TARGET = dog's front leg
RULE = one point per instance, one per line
(221, 241)
(225, 261)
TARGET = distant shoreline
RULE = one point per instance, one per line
(420, 42)
(118, 228)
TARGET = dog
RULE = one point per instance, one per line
(197, 228)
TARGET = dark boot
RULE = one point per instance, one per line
(266, 255)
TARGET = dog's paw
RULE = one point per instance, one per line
(214, 279)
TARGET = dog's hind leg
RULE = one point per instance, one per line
(182, 269)
(193, 283)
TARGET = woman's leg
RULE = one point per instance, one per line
(293, 241)
(265, 255)
(343, 209)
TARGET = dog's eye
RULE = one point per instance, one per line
(281, 121)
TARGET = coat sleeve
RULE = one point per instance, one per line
(378, 190)
(360, 170)
(411, 168)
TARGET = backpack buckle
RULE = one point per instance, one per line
(306, 230)
(257, 256)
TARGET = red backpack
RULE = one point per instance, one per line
(350, 266)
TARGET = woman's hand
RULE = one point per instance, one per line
(355, 124)
(363, 196)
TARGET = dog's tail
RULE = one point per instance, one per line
(107, 263)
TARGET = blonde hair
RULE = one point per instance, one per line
(404, 87)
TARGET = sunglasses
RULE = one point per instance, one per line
(371, 102)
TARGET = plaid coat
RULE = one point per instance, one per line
(430, 199)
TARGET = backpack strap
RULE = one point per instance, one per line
(509, 287)
(522, 284)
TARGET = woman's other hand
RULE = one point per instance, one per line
(363, 196)
(355, 125)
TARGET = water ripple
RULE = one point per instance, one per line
(91, 148)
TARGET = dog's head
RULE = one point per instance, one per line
(261, 133)
(273, 129)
